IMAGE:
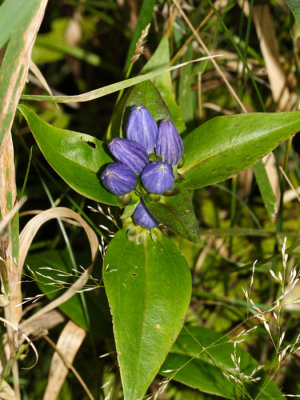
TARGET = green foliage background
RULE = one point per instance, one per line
(86, 45)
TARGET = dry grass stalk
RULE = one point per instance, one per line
(38, 74)
(7, 393)
(44, 323)
(139, 48)
(68, 344)
(9, 100)
(293, 192)
(7, 219)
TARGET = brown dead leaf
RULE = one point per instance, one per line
(67, 346)
(269, 47)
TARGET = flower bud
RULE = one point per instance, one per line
(169, 143)
(143, 217)
(119, 179)
(142, 128)
(158, 177)
(129, 153)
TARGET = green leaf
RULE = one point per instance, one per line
(186, 96)
(146, 93)
(176, 212)
(200, 357)
(163, 82)
(295, 7)
(148, 288)
(223, 146)
(76, 157)
(265, 189)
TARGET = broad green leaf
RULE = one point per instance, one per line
(265, 189)
(176, 212)
(148, 288)
(200, 357)
(76, 157)
(295, 7)
(223, 146)
(145, 17)
(163, 82)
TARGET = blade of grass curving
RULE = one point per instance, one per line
(115, 87)
(27, 236)
(69, 249)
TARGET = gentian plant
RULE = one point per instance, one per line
(157, 177)
(151, 174)
(144, 184)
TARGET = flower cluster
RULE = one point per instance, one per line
(144, 138)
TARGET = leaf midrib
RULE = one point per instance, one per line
(143, 315)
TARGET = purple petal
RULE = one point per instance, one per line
(129, 153)
(143, 217)
(119, 179)
(158, 177)
(142, 128)
(169, 143)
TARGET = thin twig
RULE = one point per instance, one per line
(289, 183)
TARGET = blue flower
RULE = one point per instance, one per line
(129, 153)
(142, 128)
(158, 177)
(143, 217)
(169, 143)
(119, 179)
